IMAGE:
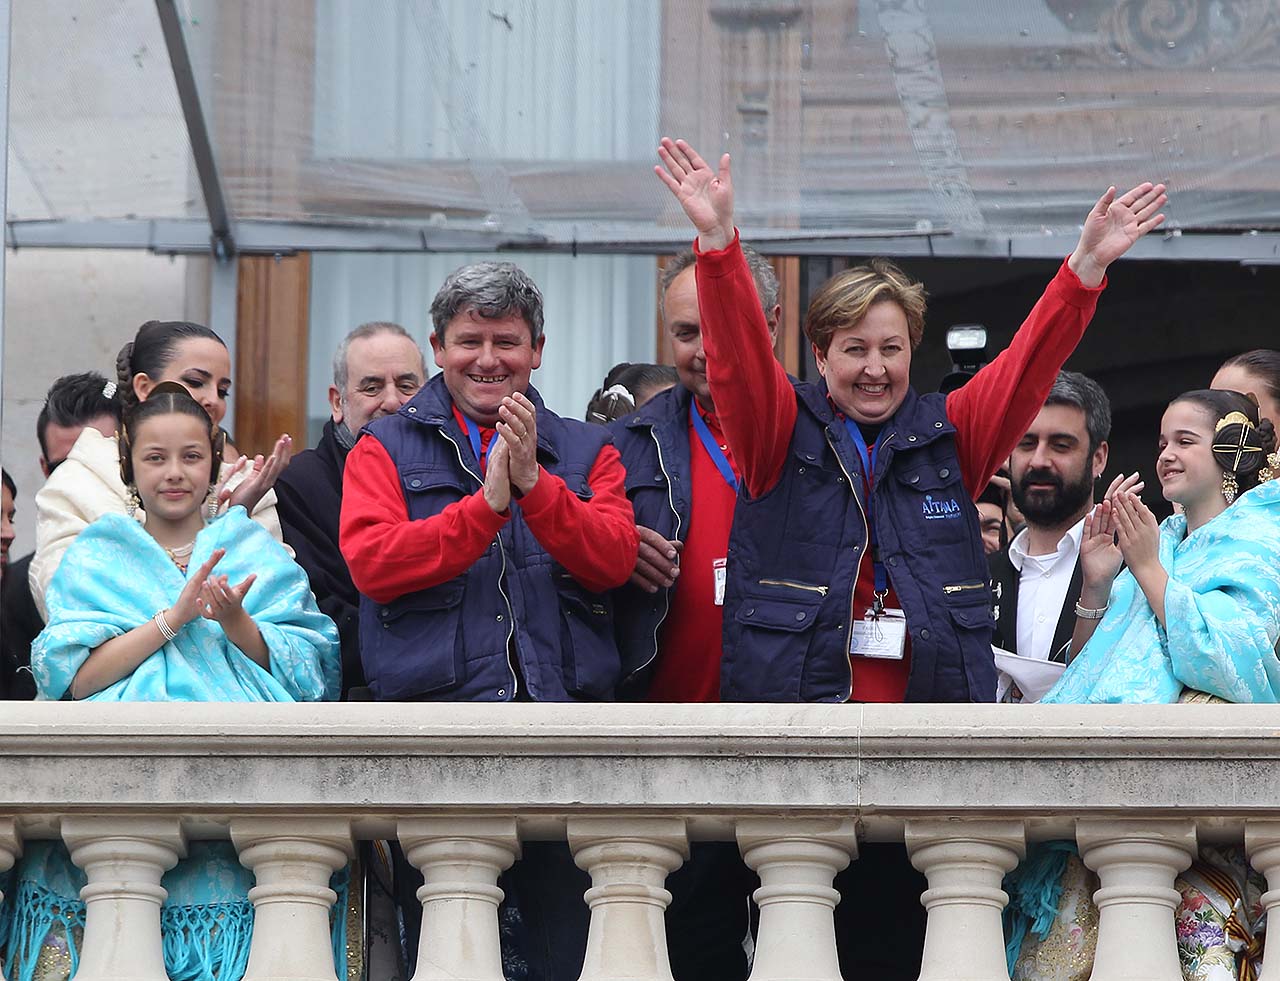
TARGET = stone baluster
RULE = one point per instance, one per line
(628, 859)
(10, 849)
(123, 859)
(1262, 842)
(1136, 861)
(797, 860)
(292, 859)
(460, 858)
(965, 861)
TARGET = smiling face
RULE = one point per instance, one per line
(171, 465)
(1188, 473)
(485, 360)
(683, 321)
(1237, 378)
(203, 367)
(868, 365)
(384, 371)
(1052, 469)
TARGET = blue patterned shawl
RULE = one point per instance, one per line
(1222, 605)
(115, 576)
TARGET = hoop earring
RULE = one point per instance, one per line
(132, 501)
(1229, 486)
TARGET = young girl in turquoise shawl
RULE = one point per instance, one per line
(1193, 616)
(174, 610)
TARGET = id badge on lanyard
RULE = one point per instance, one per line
(882, 633)
(719, 568)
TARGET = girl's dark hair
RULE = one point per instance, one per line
(1222, 403)
(1262, 363)
(152, 350)
(642, 382)
(166, 399)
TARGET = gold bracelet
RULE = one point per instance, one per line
(163, 624)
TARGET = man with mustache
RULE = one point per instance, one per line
(1036, 583)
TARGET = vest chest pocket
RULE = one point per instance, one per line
(775, 630)
(415, 650)
(588, 655)
(935, 501)
(428, 490)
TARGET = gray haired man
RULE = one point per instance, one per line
(1053, 471)
(377, 368)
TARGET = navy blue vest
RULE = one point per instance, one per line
(794, 555)
(654, 444)
(451, 642)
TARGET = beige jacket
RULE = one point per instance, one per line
(86, 486)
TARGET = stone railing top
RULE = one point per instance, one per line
(880, 763)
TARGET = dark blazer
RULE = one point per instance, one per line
(20, 624)
(1004, 607)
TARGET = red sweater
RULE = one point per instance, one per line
(389, 555)
(690, 645)
(757, 405)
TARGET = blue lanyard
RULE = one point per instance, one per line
(869, 476)
(473, 434)
(712, 447)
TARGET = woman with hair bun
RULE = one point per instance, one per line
(87, 485)
(1197, 608)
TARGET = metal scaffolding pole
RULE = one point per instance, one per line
(222, 243)
(5, 12)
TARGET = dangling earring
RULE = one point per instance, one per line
(1229, 486)
(1271, 469)
(132, 501)
(211, 502)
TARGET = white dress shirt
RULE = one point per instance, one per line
(1043, 581)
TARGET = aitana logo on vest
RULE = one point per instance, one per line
(940, 509)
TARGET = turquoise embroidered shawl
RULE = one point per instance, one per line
(1222, 605)
(115, 576)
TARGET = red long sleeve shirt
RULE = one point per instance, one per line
(690, 645)
(757, 406)
(389, 555)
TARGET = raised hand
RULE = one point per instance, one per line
(260, 480)
(1100, 558)
(518, 427)
(705, 195)
(1138, 532)
(1112, 227)
(190, 604)
(657, 561)
(497, 477)
(222, 601)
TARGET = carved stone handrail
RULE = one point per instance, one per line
(629, 786)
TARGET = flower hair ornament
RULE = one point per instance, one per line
(1246, 441)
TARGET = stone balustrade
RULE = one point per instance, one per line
(127, 787)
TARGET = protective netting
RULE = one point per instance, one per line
(537, 119)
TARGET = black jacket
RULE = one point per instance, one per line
(20, 624)
(1004, 607)
(309, 494)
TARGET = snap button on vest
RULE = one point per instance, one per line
(915, 478)
(415, 483)
(924, 634)
(801, 615)
(413, 409)
(893, 560)
(911, 439)
(944, 473)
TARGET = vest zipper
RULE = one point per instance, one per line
(866, 539)
(666, 594)
(961, 587)
(511, 617)
(790, 584)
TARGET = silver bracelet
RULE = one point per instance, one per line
(1084, 613)
(163, 624)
